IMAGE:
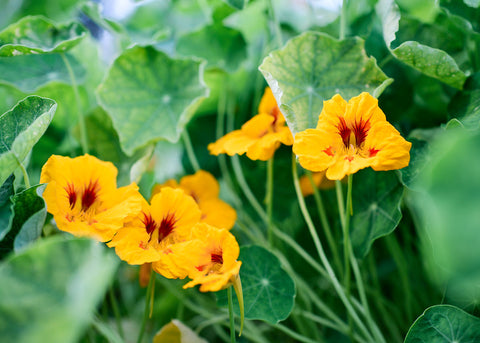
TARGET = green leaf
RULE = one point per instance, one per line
(9, 96)
(226, 46)
(312, 68)
(150, 96)
(238, 4)
(52, 289)
(6, 191)
(442, 324)
(20, 129)
(377, 197)
(29, 72)
(268, 291)
(37, 35)
(468, 9)
(177, 332)
(465, 104)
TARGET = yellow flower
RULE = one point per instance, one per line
(216, 266)
(319, 180)
(349, 137)
(83, 197)
(160, 233)
(260, 136)
(204, 189)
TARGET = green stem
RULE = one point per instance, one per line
(340, 202)
(231, 315)
(346, 235)
(331, 274)
(324, 221)
(294, 335)
(276, 25)
(81, 119)
(24, 172)
(343, 19)
(190, 152)
(146, 312)
(269, 200)
(116, 311)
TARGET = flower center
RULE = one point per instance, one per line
(354, 135)
(89, 195)
(217, 258)
(163, 229)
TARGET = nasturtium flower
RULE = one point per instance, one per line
(260, 136)
(216, 266)
(349, 137)
(204, 189)
(320, 181)
(83, 197)
(160, 233)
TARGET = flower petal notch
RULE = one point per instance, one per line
(260, 136)
(349, 137)
(83, 197)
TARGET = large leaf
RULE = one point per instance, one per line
(20, 129)
(444, 324)
(268, 291)
(50, 291)
(312, 68)
(465, 104)
(6, 191)
(177, 332)
(376, 207)
(468, 9)
(226, 46)
(150, 96)
(29, 72)
(37, 35)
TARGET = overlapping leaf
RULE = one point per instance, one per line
(465, 104)
(6, 191)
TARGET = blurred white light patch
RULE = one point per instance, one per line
(304, 14)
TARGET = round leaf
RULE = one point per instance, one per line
(268, 291)
(20, 129)
(37, 35)
(150, 96)
(177, 332)
(312, 68)
(50, 291)
(444, 324)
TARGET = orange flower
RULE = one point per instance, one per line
(160, 233)
(349, 137)
(319, 180)
(204, 189)
(216, 266)
(260, 136)
(83, 197)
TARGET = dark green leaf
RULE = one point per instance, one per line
(150, 96)
(268, 291)
(312, 68)
(238, 4)
(6, 191)
(377, 197)
(50, 291)
(20, 129)
(444, 324)
(465, 104)
(468, 9)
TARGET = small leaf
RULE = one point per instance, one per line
(37, 35)
(177, 332)
(52, 289)
(226, 46)
(268, 291)
(238, 4)
(6, 191)
(376, 208)
(20, 129)
(442, 324)
(312, 68)
(150, 96)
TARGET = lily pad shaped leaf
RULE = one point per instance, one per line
(37, 35)
(444, 324)
(312, 68)
(150, 96)
(268, 291)
(52, 289)
(20, 130)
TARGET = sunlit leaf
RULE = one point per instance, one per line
(177, 332)
(376, 207)
(444, 324)
(51, 290)
(268, 291)
(150, 96)
(36, 35)
(312, 68)
(20, 129)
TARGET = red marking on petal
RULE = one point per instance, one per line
(199, 268)
(166, 226)
(329, 151)
(150, 224)
(72, 195)
(349, 158)
(373, 152)
(361, 130)
(217, 258)
(143, 245)
(167, 251)
(90, 195)
(275, 112)
(344, 131)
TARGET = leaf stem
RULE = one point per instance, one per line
(24, 172)
(190, 152)
(81, 119)
(146, 312)
(269, 200)
(276, 24)
(116, 312)
(231, 315)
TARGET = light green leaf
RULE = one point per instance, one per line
(312, 68)
(51, 290)
(20, 129)
(150, 96)
(6, 191)
(29, 72)
(268, 291)
(177, 332)
(226, 46)
(444, 324)
(9, 96)
(37, 35)
(377, 197)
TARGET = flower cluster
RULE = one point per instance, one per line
(175, 231)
